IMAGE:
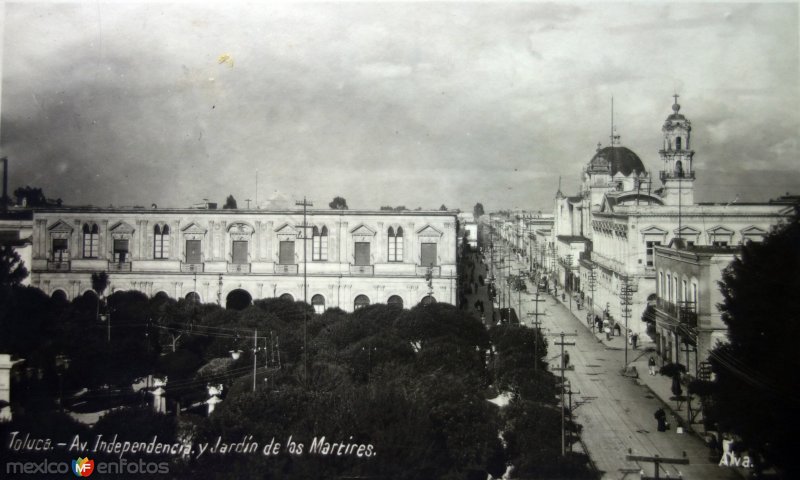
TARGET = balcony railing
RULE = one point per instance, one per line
(361, 270)
(286, 269)
(667, 307)
(238, 268)
(119, 266)
(436, 271)
(192, 267)
(58, 265)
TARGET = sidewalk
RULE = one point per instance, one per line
(659, 385)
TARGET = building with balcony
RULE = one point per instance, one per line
(350, 258)
(618, 219)
(687, 321)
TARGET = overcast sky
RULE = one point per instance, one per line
(415, 104)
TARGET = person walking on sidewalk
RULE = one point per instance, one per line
(635, 340)
(652, 365)
(661, 419)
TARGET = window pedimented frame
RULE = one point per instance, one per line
(687, 233)
(429, 233)
(60, 229)
(121, 231)
(240, 231)
(287, 233)
(193, 232)
(719, 233)
(362, 233)
(653, 233)
(752, 233)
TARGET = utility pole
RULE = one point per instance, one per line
(537, 326)
(565, 367)
(305, 204)
(657, 461)
(568, 279)
(626, 292)
(255, 354)
(592, 286)
(570, 393)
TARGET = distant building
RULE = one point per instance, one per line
(605, 237)
(353, 258)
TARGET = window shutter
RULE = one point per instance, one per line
(286, 254)
(362, 253)
(193, 252)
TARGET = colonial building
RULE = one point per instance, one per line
(688, 323)
(350, 258)
(605, 236)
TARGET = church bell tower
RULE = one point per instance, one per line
(676, 155)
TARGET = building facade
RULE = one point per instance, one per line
(350, 258)
(614, 224)
(688, 323)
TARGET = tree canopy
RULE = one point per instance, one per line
(477, 211)
(12, 268)
(756, 383)
(338, 203)
(230, 203)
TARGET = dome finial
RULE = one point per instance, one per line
(675, 106)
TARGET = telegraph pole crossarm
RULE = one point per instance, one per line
(657, 461)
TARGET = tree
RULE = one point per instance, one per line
(756, 391)
(443, 208)
(230, 203)
(338, 203)
(12, 268)
(99, 282)
(477, 211)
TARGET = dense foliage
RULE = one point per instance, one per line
(755, 395)
(412, 386)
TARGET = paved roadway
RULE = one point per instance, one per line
(616, 412)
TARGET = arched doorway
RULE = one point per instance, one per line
(318, 302)
(287, 296)
(428, 300)
(361, 301)
(193, 297)
(395, 301)
(59, 296)
(238, 299)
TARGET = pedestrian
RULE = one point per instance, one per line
(651, 364)
(635, 339)
(617, 330)
(661, 419)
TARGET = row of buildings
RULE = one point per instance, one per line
(645, 254)
(334, 258)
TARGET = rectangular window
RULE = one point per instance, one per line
(161, 248)
(393, 249)
(120, 250)
(240, 252)
(60, 249)
(428, 254)
(319, 249)
(286, 253)
(669, 287)
(362, 253)
(90, 245)
(719, 243)
(193, 252)
(650, 250)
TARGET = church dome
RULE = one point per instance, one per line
(621, 159)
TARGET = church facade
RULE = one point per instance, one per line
(349, 258)
(605, 235)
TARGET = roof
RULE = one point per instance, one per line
(622, 159)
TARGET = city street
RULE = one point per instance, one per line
(615, 411)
